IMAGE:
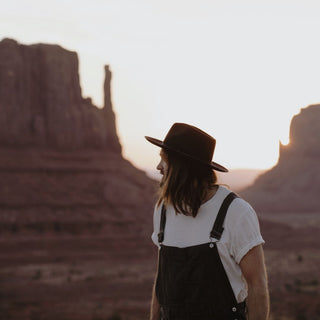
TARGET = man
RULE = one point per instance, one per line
(211, 263)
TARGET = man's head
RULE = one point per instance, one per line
(190, 142)
(187, 167)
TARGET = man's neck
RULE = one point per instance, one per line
(210, 193)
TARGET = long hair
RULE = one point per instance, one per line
(186, 183)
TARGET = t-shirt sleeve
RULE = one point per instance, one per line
(156, 225)
(244, 229)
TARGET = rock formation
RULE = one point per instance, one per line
(61, 168)
(293, 184)
(41, 103)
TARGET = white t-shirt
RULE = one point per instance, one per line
(241, 233)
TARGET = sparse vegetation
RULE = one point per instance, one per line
(57, 227)
(300, 258)
(314, 282)
(14, 228)
(301, 317)
(37, 275)
(300, 286)
(115, 316)
(288, 287)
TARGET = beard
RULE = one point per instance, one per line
(161, 184)
(163, 179)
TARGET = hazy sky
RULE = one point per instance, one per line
(237, 69)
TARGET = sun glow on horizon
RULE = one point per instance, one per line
(239, 71)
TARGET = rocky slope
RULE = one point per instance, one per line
(293, 184)
(61, 168)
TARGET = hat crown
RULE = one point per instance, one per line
(190, 140)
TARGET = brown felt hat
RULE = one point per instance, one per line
(190, 142)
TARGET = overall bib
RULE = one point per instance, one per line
(192, 283)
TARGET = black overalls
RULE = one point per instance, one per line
(192, 283)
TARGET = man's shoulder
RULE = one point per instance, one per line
(238, 203)
(241, 213)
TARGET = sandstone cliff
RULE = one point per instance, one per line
(41, 103)
(293, 184)
(61, 168)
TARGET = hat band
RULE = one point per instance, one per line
(205, 160)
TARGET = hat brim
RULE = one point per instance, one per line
(212, 164)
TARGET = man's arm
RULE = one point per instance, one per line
(254, 271)
(155, 307)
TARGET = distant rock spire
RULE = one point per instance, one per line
(41, 102)
(109, 113)
(107, 88)
(293, 184)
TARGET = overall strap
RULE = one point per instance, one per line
(162, 224)
(217, 228)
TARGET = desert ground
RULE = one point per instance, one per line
(46, 276)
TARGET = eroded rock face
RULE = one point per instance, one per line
(293, 184)
(41, 102)
(61, 168)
